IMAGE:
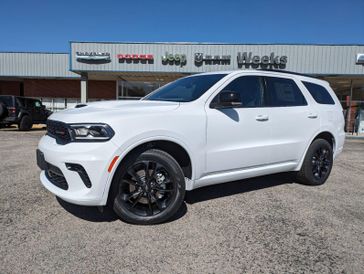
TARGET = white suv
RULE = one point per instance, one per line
(141, 156)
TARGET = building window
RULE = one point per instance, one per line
(135, 90)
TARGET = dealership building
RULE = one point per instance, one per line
(108, 71)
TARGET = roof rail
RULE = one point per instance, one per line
(287, 71)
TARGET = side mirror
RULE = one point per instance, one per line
(227, 99)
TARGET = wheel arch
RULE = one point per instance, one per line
(177, 150)
(326, 135)
(24, 113)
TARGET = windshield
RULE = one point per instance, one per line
(185, 89)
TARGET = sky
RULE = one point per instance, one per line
(48, 26)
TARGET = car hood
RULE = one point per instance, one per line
(106, 110)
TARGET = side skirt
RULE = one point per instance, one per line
(239, 174)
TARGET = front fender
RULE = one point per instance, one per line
(124, 149)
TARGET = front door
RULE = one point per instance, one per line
(239, 137)
(36, 110)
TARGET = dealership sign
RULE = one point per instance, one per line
(92, 56)
(360, 58)
(210, 59)
(248, 59)
(135, 58)
(174, 59)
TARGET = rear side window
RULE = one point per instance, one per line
(319, 93)
(7, 100)
(20, 101)
(282, 92)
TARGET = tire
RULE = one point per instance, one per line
(140, 200)
(317, 165)
(26, 123)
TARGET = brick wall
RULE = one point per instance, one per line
(52, 88)
(68, 88)
(102, 89)
(9, 88)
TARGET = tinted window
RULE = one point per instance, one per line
(319, 93)
(7, 100)
(37, 104)
(250, 88)
(20, 101)
(185, 89)
(283, 92)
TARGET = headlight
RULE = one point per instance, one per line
(91, 132)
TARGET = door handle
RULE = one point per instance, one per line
(262, 118)
(312, 116)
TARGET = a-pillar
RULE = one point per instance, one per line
(84, 88)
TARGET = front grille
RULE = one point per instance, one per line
(59, 131)
(55, 176)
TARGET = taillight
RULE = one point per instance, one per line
(12, 110)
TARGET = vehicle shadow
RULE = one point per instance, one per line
(93, 214)
(237, 187)
(89, 213)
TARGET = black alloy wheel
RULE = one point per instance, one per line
(321, 163)
(317, 164)
(149, 189)
(146, 188)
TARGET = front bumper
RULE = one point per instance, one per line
(93, 157)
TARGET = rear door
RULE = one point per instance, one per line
(294, 121)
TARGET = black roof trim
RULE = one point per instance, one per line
(287, 72)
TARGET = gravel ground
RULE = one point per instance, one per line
(268, 224)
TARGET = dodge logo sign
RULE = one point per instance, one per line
(135, 58)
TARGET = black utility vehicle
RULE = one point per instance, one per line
(22, 111)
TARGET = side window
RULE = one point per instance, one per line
(282, 92)
(37, 104)
(250, 89)
(20, 102)
(319, 93)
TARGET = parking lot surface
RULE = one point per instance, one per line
(268, 224)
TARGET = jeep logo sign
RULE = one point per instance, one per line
(248, 59)
(174, 59)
